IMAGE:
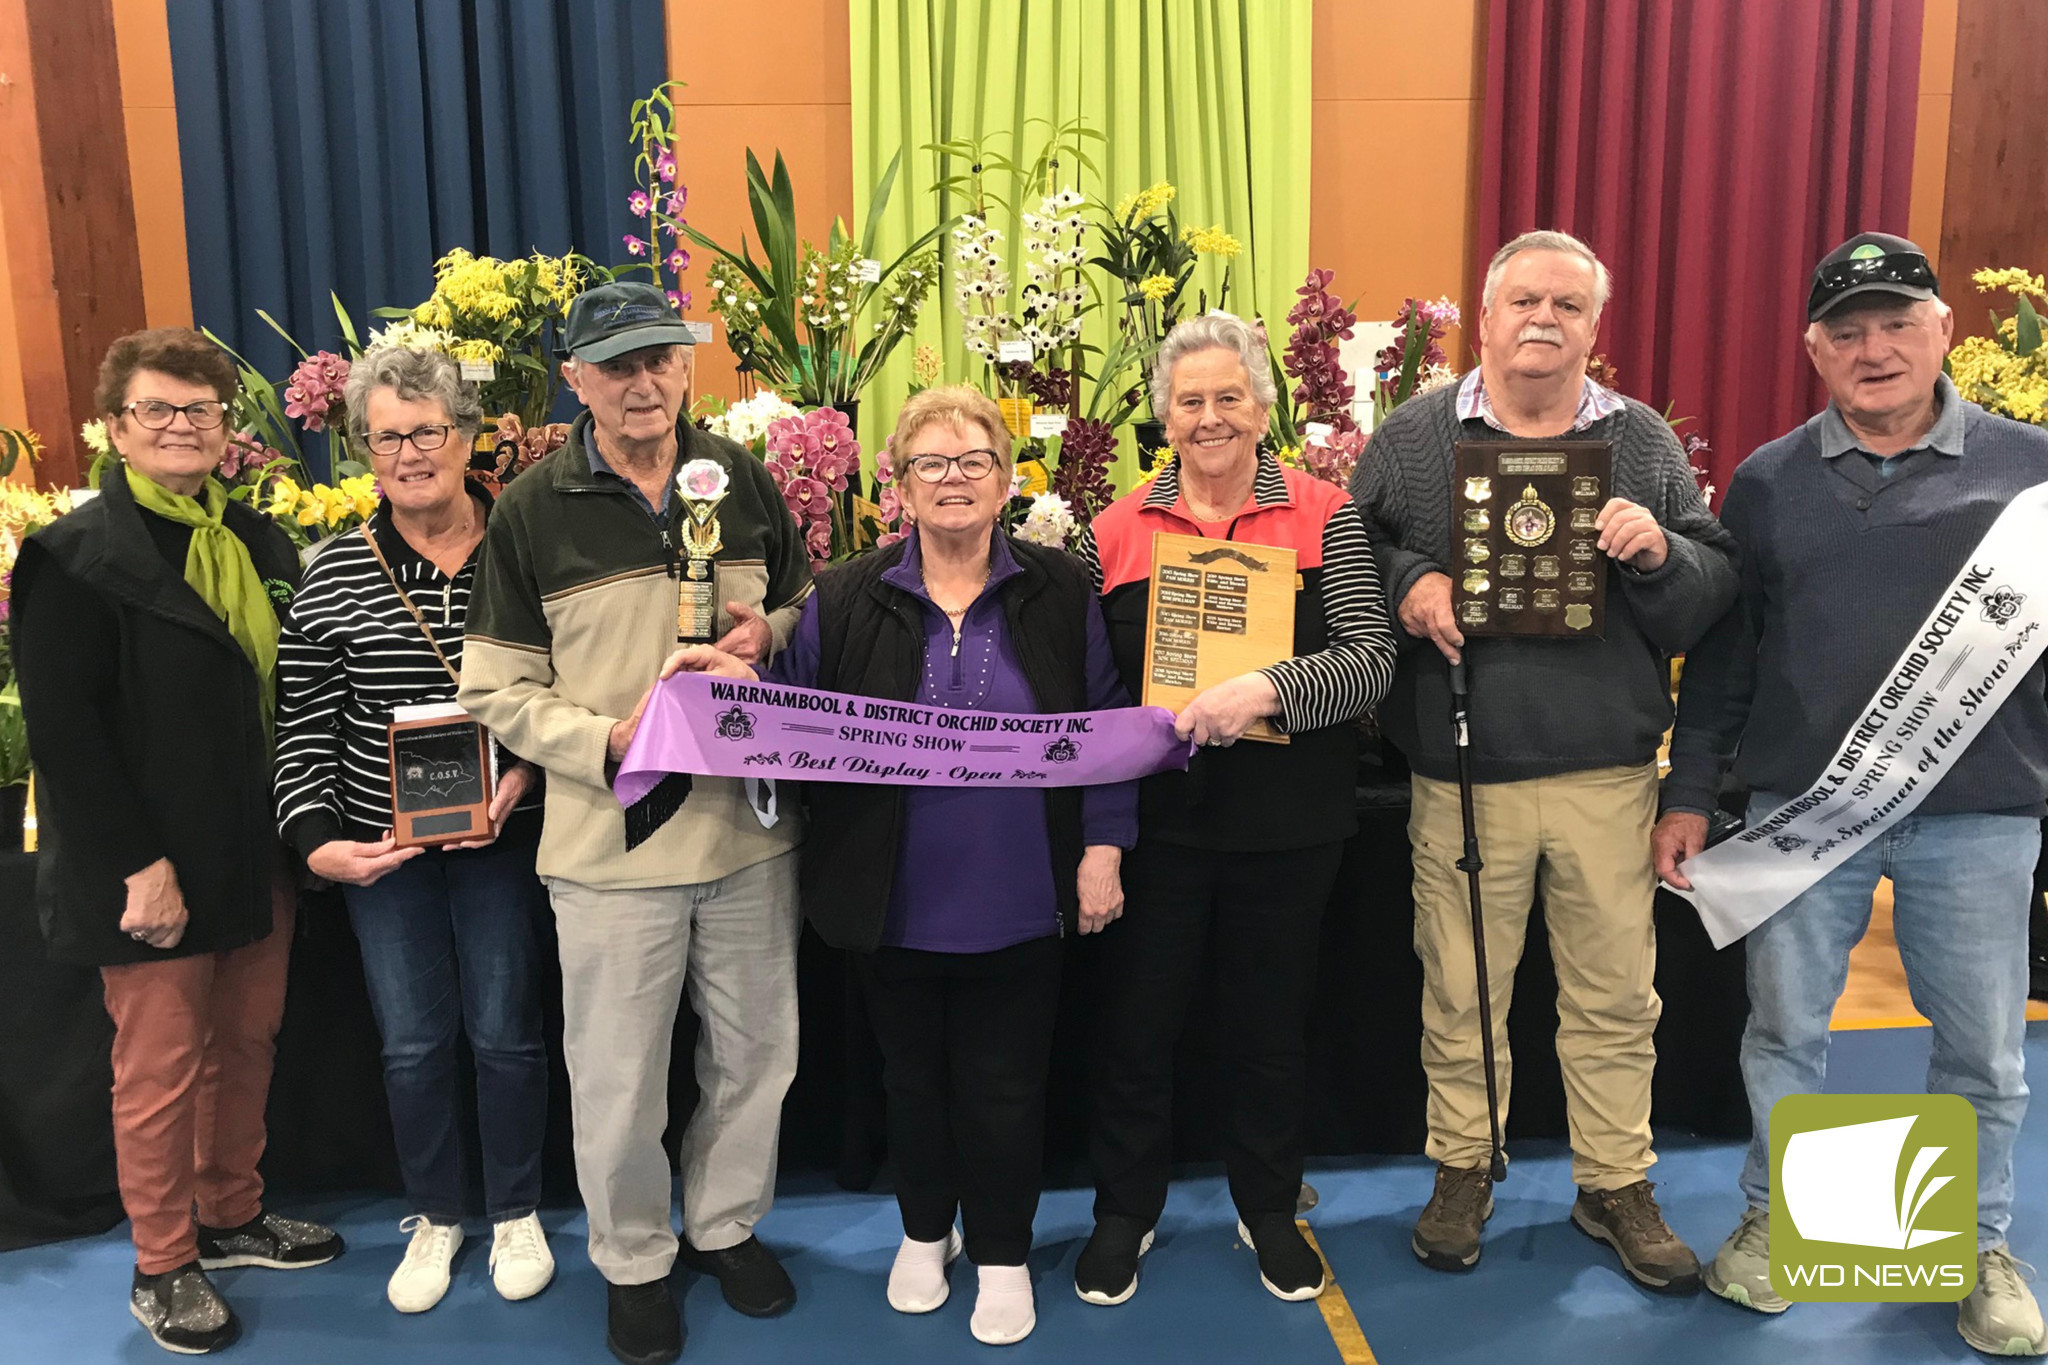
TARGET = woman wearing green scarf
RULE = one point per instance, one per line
(145, 639)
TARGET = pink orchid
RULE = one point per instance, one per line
(807, 497)
(678, 301)
(818, 540)
(635, 246)
(678, 260)
(637, 202)
(665, 166)
(677, 197)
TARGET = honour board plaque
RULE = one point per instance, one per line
(441, 777)
(1525, 555)
(1217, 608)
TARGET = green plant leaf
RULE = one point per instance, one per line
(348, 326)
(2027, 330)
(878, 204)
(288, 339)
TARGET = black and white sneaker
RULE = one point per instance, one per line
(1107, 1271)
(1288, 1265)
(749, 1276)
(183, 1311)
(269, 1241)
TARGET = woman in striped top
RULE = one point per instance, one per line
(451, 937)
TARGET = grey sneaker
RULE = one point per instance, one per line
(1447, 1234)
(1629, 1220)
(2000, 1316)
(182, 1311)
(1741, 1271)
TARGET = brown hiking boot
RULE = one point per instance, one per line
(1629, 1220)
(1447, 1233)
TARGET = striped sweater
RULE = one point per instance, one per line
(1256, 796)
(350, 652)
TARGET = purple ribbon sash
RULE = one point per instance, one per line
(721, 727)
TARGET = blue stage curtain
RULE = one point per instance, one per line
(344, 146)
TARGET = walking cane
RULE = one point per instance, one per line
(1471, 865)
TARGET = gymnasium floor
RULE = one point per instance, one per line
(1543, 1293)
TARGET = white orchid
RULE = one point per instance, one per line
(1050, 521)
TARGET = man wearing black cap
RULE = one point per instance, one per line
(580, 595)
(1853, 529)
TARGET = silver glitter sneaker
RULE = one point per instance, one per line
(269, 1241)
(182, 1311)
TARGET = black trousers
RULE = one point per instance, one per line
(1257, 918)
(966, 1039)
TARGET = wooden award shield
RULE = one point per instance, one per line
(1525, 557)
(442, 776)
(1218, 608)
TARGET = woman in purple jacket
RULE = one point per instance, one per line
(954, 900)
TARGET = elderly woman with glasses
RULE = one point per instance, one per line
(451, 937)
(953, 900)
(145, 642)
(1236, 856)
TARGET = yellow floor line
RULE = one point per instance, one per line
(1337, 1314)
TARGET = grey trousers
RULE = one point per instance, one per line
(627, 956)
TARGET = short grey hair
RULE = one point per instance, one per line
(1603, 282)
(415, 376)
(1214, 331)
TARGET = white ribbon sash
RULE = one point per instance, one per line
(1981, 639)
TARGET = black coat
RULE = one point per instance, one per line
(871, 638)
(145, 727)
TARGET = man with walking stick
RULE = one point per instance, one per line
(1559, 778)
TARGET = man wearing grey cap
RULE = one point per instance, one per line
(582, 588)
(1854, 529)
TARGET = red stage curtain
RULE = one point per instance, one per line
(1711, 151)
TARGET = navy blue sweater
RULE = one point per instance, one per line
(1840, 565)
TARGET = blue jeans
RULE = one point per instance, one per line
(452, 948)
(1962, 887)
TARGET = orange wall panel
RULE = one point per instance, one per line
(799, 103)
(142, 38)
(1396, 133)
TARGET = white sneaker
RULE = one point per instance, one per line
(422, 1277)
(917, 1280)
(1004, 1312)
(2000, 1316)
(521, 1264)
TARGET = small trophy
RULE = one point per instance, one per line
(702, 485)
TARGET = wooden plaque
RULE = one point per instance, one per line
(1525, 559)
(1217, 608)
(441, 778)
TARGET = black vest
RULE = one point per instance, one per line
(872, 643)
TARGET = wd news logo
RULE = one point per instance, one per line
(1873, 1198)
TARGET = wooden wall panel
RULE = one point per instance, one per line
(1995, 199)
(1396, 129)
(805, 110)
(70, 218)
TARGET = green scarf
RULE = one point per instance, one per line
(218, 568)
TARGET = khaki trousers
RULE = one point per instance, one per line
(1583, 840)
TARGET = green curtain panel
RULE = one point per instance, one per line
(1210, 95)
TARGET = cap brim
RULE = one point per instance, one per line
(638, 339)
(1903, 291)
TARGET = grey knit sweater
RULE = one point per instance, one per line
(1542, 707)
(1840, 565)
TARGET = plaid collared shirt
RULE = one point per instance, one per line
(1595, 402)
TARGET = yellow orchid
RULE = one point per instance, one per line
(1212, 241)
(1156, 287)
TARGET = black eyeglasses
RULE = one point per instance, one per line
(1898, 267)
(157, 415)
(974, 464)
(424, 439)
